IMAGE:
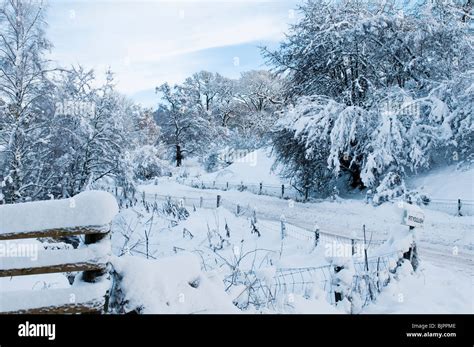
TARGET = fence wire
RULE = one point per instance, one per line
(369, 278)
(454, 207)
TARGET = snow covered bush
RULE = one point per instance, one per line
(147, 163)
(391, 187)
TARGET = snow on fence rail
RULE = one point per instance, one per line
(90, 214)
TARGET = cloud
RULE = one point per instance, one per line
(146, 41)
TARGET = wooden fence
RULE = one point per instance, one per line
(90, 290)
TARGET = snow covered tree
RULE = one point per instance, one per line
(94, 130)
(184, 128)
(25, 90)
(379, 105)
(258, 97)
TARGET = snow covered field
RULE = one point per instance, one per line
(445, 243)
(329, 171)
(182, 256)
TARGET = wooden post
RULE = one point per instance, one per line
(365, 251)
(316, 235)
(353, 246)
(282, 191)
(337, 295)
(201, 201)
(241, 185)
(218, 201)
(238, 210)
(261, 188)
(412, 252)
(91, 276)
(459, 207)
(283, 226)
(227, 186)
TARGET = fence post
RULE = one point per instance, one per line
(353, 243)
(242, 185)
(143, 197)
(260, 189)
(459, 207)
(91, 276)
(200, 201)
(283, 226)
(218, 201)
(238, 210)
(282, 191)
(337, 295)
(156, 196)
(227, 186)
(316, 235)
(365, 250)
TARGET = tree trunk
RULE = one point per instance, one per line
(179, 156)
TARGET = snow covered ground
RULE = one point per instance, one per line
(255, 167)
(445, 183)
(195, 259)
(445, 243)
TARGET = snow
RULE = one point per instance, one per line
(95, 253)
(172, 285)
(80, 293)
(255, 167)
(90, 208)
(431, 290)
(445, 183)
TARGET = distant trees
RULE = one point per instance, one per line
(209, 111)
(186, 126)
(368, 91)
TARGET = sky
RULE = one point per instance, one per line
(149, 42)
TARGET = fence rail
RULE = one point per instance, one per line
(456, 207)
(283, 191)
(91, 262)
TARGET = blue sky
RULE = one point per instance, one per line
(150, 42)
